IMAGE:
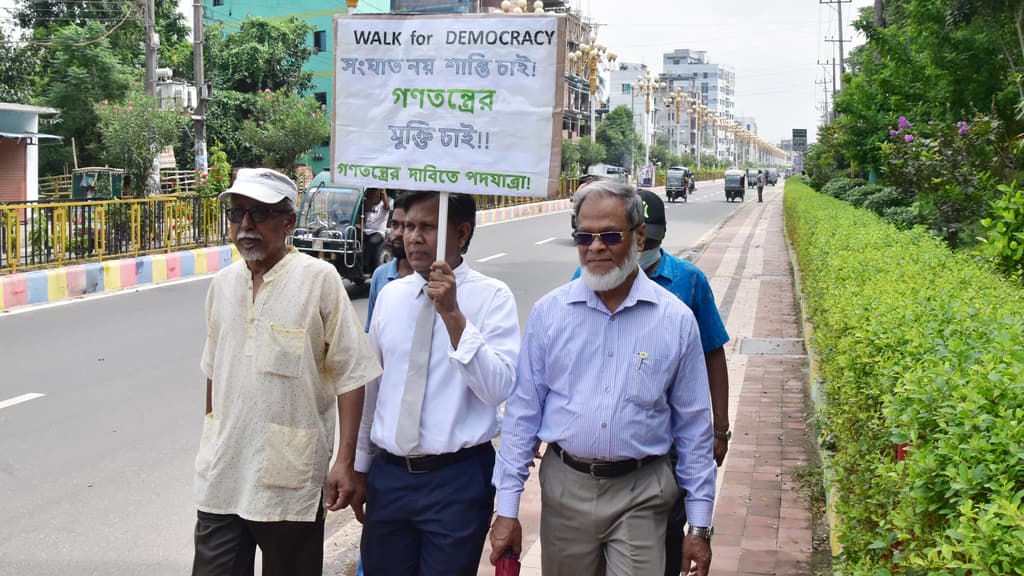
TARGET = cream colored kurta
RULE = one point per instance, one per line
(277, 365)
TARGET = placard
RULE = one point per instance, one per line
(469, 103)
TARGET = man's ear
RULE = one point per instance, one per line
(462, 235)
(641, 236)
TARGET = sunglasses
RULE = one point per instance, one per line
(257, 214)
(607, 238)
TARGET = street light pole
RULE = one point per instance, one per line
(588, 61)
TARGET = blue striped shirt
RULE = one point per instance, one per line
(611, 386)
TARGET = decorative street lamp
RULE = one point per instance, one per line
(676, 98)
(588, 61)
(699, 110)
(517, 7)
(648, 86)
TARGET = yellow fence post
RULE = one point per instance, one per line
(61, 233)
(99, 229)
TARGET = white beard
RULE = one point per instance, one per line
(250, 255)
(611, 280)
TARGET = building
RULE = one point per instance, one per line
(19, 151)
(715, 86)
(621, 93)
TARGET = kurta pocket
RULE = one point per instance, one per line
(207, 445)
(288, 457)
(283, 350)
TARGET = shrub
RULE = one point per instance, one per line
(1003, 243)
(923, 347)
(839, 187)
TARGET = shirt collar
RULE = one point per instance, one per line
(642, 290)
(281, 265)
(392, 270)
(662, 269)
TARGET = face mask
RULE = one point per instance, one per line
(649, 257)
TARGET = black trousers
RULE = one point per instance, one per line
(674, 538)
(226, 546)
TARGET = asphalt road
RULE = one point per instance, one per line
(96, 474)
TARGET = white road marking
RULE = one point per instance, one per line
(19, 399)
(545, 241)
(494, 257)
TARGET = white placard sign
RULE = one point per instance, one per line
(468, 103)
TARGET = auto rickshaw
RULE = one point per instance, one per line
(329, 226)
(735, 185)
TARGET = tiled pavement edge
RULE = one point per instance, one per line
(762, 525)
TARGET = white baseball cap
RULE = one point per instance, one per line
(262, 185)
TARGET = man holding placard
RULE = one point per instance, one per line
(447, 337)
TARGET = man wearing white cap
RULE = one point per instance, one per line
(284, 353)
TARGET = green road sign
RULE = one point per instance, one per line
(799, 139)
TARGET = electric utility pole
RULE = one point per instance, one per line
(839, 7)
(151, 43)
(202, 94)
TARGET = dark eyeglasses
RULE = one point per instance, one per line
(257, 214)
(607, 238)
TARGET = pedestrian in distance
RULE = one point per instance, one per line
(284, 360)
(760, 185)
(447, 337)
(376, 207)
(397, 267)
(611, 376)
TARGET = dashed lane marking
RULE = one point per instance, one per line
(545, 241)
(494, 257)
(19, 399)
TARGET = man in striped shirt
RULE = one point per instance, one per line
(611, 374)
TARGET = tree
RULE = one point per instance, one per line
(262, 54)
(81, 70)
(134, 131)
(616, 135)
(18, 68)
(570, 157)
(284, 127)
(590, 153)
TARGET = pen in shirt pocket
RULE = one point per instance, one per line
(642, 356)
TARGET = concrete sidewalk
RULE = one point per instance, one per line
(762, 524)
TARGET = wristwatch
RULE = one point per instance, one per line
(704, 532)
(723, 435)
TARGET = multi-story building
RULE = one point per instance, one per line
(620, 92)
(713, 84)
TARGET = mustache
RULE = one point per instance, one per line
(247, 235)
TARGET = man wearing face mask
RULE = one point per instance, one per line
(690, 285)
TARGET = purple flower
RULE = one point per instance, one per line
(930, 122)
(962, 128)
(893, 133)
(909, 138)
(903, 122)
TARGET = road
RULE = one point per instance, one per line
(96, 474)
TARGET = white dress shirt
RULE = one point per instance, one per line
(465, 386)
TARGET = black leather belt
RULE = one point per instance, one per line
(421, 464)
(602, 470)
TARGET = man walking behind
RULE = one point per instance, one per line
(448, 338)
(284, 359)
(397, 267)
(611, 375)
(760, 184)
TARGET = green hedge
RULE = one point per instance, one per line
(918, 346)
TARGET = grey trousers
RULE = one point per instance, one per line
(611, 527)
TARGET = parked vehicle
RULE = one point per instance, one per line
(678, 183)
(735, 184)
(771, 176)
(751, 177)
(608, 171)
(329, 227)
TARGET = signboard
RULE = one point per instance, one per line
(799, 139)
(467, 103)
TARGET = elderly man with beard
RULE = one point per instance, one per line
(284, 360)
(611, 375)
(397, 267)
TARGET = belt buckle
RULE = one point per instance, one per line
(593, 474)
(408, 467)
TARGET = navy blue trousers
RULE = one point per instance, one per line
(431, 524)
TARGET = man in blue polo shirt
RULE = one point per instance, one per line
(690, 285)
(397, 267)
